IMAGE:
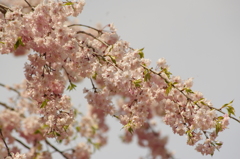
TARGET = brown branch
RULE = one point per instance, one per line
(22, 143)
(9, 154)
(83, 32)
(95, 89)
(47, 142)
(29, 5)
(4, 9)
(6, 106)
(10, 88)
(99, 31)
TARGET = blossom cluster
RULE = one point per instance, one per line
(62, 55)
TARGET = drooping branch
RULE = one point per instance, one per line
(23, 144)
(6, 106)
(4, 9)
(83, 32)
(29, 5)
(166, 80)
(9, 154)
(56, 149)
(10, 88)
(99, 31)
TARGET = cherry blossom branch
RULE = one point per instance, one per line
(95, 89)
(10, 88)
(111, 63)
(4, 9)
(47, 142)
(99, 31)
(6, 106)
(83, 32)
(181, 91)
(22, 143)
(9, 154)
(29, 5)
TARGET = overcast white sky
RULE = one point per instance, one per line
(199, 39)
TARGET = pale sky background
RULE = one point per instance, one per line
(198, 38)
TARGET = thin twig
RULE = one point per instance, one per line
(6, 106)
(9, 154)
(22, 143)
(47, 142)
(29, 5)
(99, 31)
(95, 89)
(10, 88)
(83, 32)
(4, 9)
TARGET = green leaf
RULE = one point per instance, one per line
(227, 104)
(116, 116)
(220, 118)
(198, 100)
(189, 133)
(44, 103)
(78, 128)
(218, 143)
(130, 129)
(2, 42)
(37, 132)
(113, 59)
(169, 88)
(65, 127)
(18, 43)
(56, 134)
(68, 3)
(165, 70)
(45, 126)
(147, 75)
(137, 83)
(95, 76)
(230, 110)
(188, 90)
(203, 103)
(218, 126)
(71, 86)
(141, 54)
(94, 129)
(111, 47)
(96, 146)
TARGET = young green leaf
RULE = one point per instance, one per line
(218, 126)
(113, 59)
(141, 54)
(165, 70)
(71, 86)
(169, 88)
(37, 132)
(78, 128)
(65, 127)
(44, 103)
(130, 130)
(188, 90)
(95, 76)
(18, 43)
(147, 75)
(227, 104)
(68, 3)
(137, 83)
(230, 110)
